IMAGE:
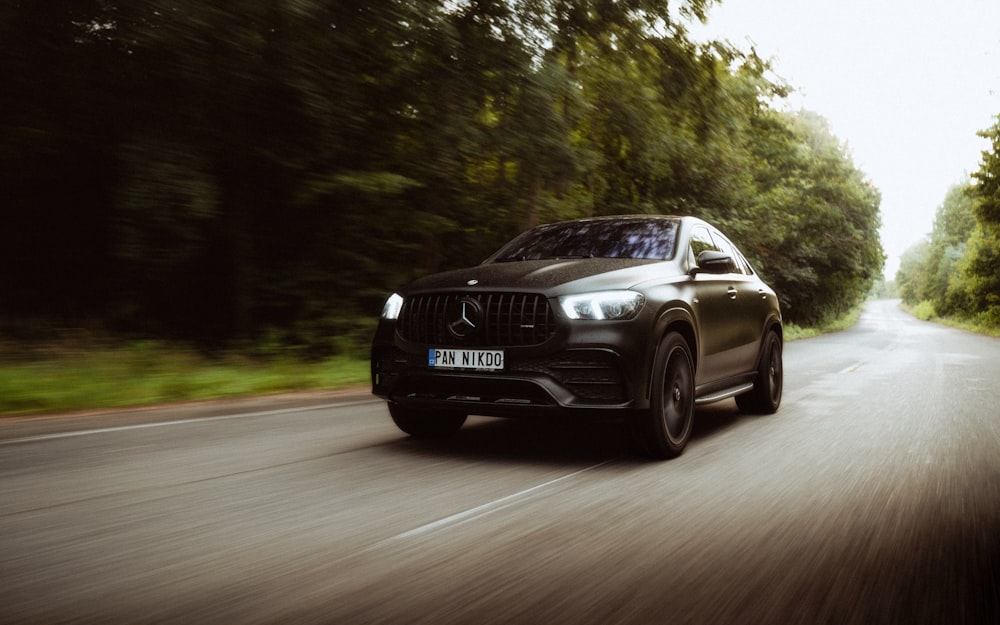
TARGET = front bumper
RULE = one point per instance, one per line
(596, 367)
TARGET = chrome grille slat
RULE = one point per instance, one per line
(511, 320)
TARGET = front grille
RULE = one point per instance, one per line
(509, 320)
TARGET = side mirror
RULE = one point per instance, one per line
(713, 262)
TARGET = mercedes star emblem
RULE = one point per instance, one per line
(466, 314)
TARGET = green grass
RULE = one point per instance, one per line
(793, 332)
(980, 324)
(147, 373)
(58, 378)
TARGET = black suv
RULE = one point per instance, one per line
(639, 316)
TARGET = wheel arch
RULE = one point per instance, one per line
(773, 324)
(673, 319)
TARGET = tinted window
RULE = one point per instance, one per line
(701, 241)
(630, 238)
(740, 261)
(747, 268)
(726, 248)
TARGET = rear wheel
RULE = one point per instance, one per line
(426, 423)
(664, 430)
(766, 394)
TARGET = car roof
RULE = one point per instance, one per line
(685, 219)
(629, 217)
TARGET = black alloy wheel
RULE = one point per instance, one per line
(765, 398)
(663, 431)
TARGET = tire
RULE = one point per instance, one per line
(426, 423)
(766, 394)
(663, 431)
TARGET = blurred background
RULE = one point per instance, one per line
(236, 174)
(213, 198)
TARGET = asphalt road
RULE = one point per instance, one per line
(872, 496)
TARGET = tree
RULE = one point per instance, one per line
(958, 270)
(821, 247)
(986, 190)
(912, 276)
(222, 172)
(981, 262)
(953, 225)
(59, 123)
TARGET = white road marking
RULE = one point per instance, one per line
(140, 426)
(489, 507)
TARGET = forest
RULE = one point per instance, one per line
(237, 173)
(955, 271)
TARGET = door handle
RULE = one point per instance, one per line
(732, 292)
(763, 293)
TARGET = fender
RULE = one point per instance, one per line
(773, 323)
(675, 315)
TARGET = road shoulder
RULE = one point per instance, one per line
(21, 426)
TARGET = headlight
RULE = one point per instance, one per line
(392, 307)
(616, 305)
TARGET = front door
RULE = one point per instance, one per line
(717, 312)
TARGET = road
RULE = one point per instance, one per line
(872, 496)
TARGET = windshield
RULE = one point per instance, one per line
(599, 238)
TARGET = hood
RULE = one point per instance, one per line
(551, 277)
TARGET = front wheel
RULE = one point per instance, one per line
(664, 430)
(426, 423)
(766, 394)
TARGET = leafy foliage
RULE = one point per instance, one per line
(956, 271)
(269, 172)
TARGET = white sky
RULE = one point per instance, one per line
(905, 83)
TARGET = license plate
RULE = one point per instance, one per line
(474, 359)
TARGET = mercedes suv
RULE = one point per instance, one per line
(644, 317)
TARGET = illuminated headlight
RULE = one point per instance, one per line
(392, 307)
(611, 305)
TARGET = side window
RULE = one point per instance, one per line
(741, 261)
(735, 266)
(701, 241)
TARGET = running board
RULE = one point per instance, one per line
(724, 394)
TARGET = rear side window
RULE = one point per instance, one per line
(701, 241)
(740, 264)
(727, 248)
